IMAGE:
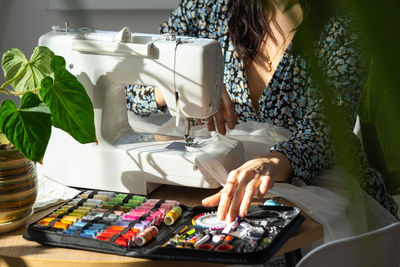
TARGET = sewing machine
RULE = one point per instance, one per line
(189, 73)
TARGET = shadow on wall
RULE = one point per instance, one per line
(5, 7)
(147, 21)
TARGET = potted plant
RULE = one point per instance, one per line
(50, 96)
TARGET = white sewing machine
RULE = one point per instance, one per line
(188, 71)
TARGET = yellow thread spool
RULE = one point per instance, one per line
(172, 215)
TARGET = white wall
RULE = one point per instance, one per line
(23, 21)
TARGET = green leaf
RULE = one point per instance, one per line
(28, 127)
(365, 107)
(27, 75)
(71, 107)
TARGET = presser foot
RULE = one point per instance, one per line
(190, 141)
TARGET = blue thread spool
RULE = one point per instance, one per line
(271, 202)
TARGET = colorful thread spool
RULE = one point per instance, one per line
(102, 197)
(60, 225)
(45, 221)
(172, 215)
(145, 236)
(141, 226)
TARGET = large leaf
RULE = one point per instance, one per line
(29, 74)
(28, 127)
(380, 107)
(70, 106)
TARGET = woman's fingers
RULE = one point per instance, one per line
(266, 184)
(226, 195)
(210, 124)
(212, 201)
(220, 120)
(239, 189)
(257, 174)
(236, 200)
(251, 188)
(225, 115)
(238, 193)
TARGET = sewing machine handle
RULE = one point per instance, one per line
(140, 46)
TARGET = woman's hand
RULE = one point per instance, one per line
(226, 113)
(255, 175)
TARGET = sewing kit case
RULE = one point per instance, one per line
(132, 225)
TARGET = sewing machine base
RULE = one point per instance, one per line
(136, 168)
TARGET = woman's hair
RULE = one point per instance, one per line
(248, 25)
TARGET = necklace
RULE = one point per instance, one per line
(268, 60)
(269, 63)
(280, 7)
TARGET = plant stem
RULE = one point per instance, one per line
(4, 90)
(19, 93)
(13, 79)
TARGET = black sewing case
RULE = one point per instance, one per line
(130, 225)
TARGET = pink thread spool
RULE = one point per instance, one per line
(147, 206)
(154, 216)
(159, 217)
(131, 217)
(163, 211)
(167, 206)
(138, 212)
(174, 203)
(145, 236)
(149, 220)
(152, 200)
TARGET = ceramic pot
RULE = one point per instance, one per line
(18, 189)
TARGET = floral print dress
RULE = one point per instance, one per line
(290, 99)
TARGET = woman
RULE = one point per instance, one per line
(267, 79)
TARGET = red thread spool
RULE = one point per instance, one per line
(121, 241)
